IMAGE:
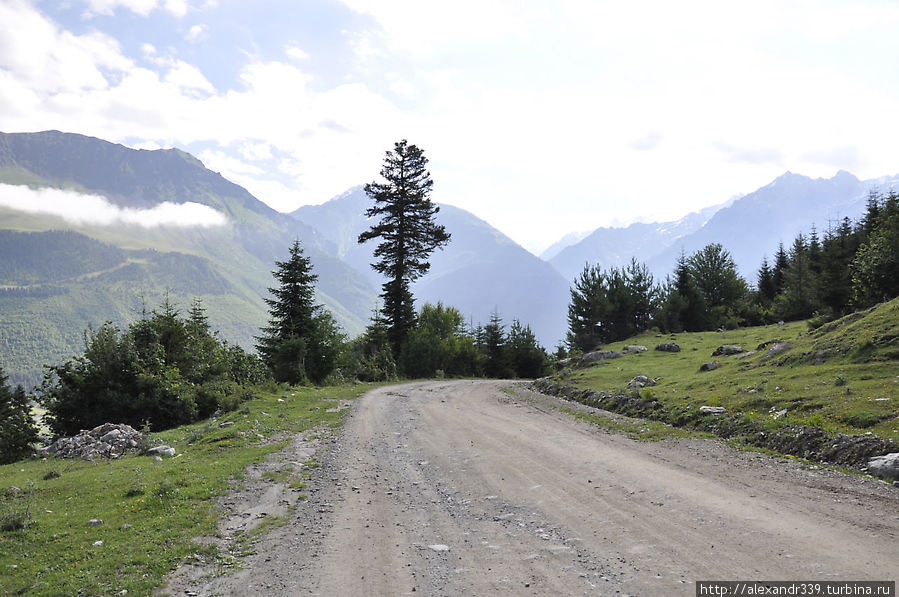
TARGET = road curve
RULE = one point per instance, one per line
(485, 488)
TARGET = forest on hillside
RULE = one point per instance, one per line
(854, 265)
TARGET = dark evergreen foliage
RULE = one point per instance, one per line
(767, 290)
(439, 345)
(17, 428)
(163, 370)
(301, 341)
(875, 266)
(51, 257)
(781, 263)
(526, 357)
(370, 354)
(852, 266)
(404, 221)
(610, 305)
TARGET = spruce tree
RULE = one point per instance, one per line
(17, 428)
(644, 294)
(765, 283)
(781, 264)
(497, 365)
(587, 309)
(693, 309)
(301, 340)
(404, 221)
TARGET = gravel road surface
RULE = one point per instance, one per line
(486, 488)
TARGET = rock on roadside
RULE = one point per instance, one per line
(886, 466)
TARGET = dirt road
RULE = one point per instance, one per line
(472, 488)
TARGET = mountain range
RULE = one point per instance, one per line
(171, 227)
(750, 227)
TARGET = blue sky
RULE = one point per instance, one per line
(541, 117)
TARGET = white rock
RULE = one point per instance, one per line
(886, 466)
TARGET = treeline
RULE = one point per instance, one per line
(303, 344)
(169, 369)
(853, 266)
(41, 257)
(40, 291)
(164, 370)
(441, 344)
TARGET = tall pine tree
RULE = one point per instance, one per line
(404, 221)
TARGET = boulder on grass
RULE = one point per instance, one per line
(640, 381)
(599, 355)
(711, 366)
(727, 349)
(668, 347)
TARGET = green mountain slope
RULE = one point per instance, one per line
(59, 276)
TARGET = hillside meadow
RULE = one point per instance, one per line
(841, 377)
(151, 511)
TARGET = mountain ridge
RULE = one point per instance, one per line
(236, 259)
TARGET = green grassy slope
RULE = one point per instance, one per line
(152, 512)
(842, 377)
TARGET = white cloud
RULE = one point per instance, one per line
(188, 77)
(256, 151)
(534, 115)
(177, 8)
(78, 208)
(197, 33)
(108, 7)
(295, 52)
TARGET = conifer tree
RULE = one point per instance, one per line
(765, 282)
(496, 364)
(587, 309)
(404, 221)
(17, 428)
(692, 316)
(301, 340)
(781, 264)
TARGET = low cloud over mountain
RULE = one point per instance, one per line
(84, 209)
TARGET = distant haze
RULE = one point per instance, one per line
(78, 208)
(539, 117)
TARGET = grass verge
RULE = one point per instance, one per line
(789, 383)
(151, 511)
